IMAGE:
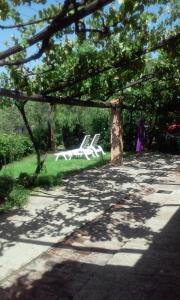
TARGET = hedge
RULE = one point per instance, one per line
(13, 147)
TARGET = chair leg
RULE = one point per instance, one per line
(97, 154)
(70, 155)
(93, 154)
(87, 157)
(101, 149)
(95, 151)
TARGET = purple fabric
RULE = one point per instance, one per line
(140, 137)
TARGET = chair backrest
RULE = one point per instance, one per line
(86, 141)
(95, 140)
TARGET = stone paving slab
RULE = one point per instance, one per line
(122, 239)
(71, 270)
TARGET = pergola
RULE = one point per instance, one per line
(59, 22)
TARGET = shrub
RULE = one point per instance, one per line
(57, 179)
(6, 186)
(13, 147)
(72, 137)
(25, 180)
(16, 198)
(49, 180)
(45, 181)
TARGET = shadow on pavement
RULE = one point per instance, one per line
(89, 192)
(154, 276)
(83, 197)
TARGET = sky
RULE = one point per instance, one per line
(26, 12)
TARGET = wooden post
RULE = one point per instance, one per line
(116, 135)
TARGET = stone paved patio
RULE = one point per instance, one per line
(117, 235)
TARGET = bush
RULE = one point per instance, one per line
(25, 180)
(169, 143)
(6, 186)
(72, 138)
(57, 179)
(13, 147)
(45, 181)
(16, 198)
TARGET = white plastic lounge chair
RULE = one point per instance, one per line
(94, 145)
(76, 152)
(83, 150)
(93, 149)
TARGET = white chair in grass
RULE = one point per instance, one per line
(77, 152)
(84, 149)
(94, 145)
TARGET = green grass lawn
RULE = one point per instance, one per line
(51, 166)
(51, 175)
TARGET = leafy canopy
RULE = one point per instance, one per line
(125, 47)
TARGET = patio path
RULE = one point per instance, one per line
(132, 236)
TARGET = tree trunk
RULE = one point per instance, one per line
(116, 137)
(36, 148)
(51, 128)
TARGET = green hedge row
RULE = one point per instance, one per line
(13, 147)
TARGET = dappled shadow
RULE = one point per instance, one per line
(118, 222)
(158, 161)
(52, 215)
(148, 274)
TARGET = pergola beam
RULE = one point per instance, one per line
(21, 96)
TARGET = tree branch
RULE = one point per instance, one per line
(141, 80)
(22, 25)
(34, 56)
(60, 22)
(21, 96)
